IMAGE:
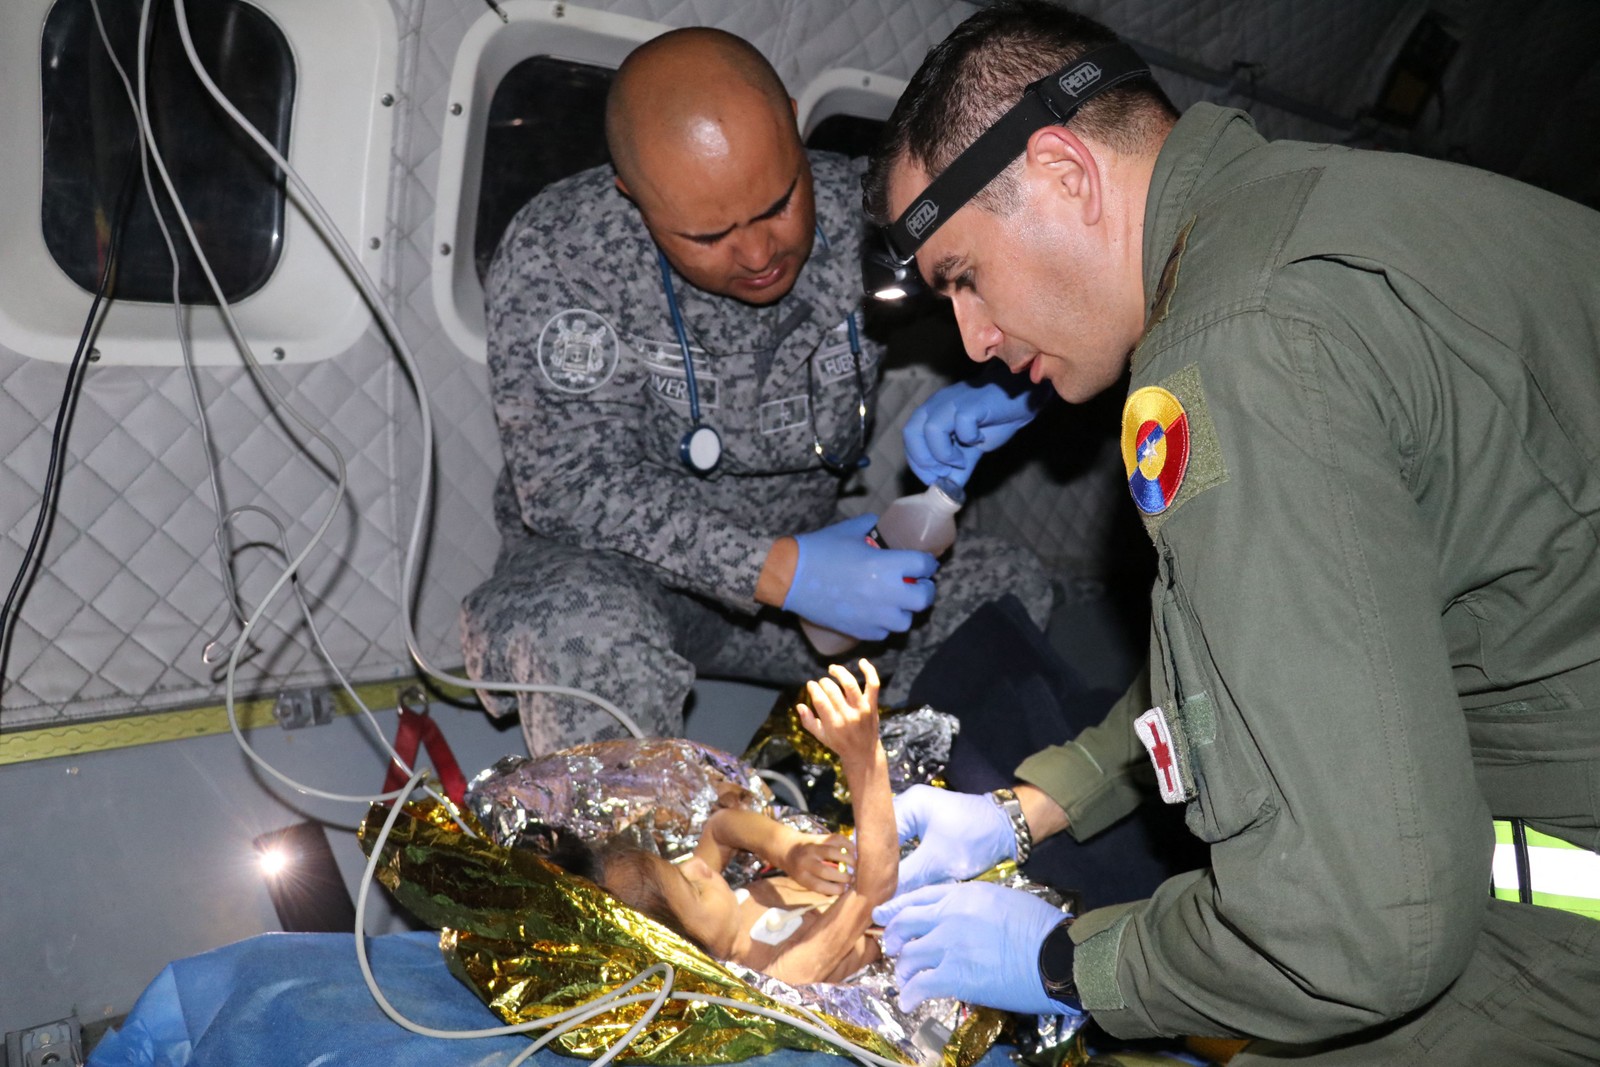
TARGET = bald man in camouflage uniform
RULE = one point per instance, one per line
(623, 572)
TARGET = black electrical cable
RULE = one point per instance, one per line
(1519, 845)
(69, 403)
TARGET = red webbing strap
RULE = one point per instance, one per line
(418, 728)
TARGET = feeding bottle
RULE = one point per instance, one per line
(924, 522)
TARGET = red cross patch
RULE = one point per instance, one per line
(1157, 740)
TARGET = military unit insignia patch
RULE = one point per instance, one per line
(577, 350)
(1155, 447)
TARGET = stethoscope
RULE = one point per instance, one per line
(700, 448)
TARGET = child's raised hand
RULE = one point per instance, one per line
(824, 863)
(843, 715)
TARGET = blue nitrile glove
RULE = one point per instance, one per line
(953, 427)
(962, 834)
(975, 941)
(844, 583)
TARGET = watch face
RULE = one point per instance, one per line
(1055, 961)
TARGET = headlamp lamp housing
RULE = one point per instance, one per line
(889, 256)
(884, 275)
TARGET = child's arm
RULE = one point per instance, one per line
(844, 716)
(822, 863)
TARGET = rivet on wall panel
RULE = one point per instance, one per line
(373, 242)
(277, 354)
(455, 109)
(387, 100)
(94, 355)
(444, 250)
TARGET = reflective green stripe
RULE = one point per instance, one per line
(1502, 836)
(1580, 905)
(1553, 863)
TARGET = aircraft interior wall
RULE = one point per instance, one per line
(121, 858)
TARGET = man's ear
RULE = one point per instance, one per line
(1060, 158)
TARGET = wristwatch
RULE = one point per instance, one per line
(1055, 964)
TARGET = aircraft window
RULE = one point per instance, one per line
(849, 135)
(546, 122)
(233, 197)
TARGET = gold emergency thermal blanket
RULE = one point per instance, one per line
(533, 941)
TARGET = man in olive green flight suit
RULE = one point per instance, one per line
(1363, 430)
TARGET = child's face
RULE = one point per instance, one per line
(702, 900)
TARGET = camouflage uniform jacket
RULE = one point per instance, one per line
(1364, 430)
(589, 388)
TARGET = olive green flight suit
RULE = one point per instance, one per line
(1372, 477)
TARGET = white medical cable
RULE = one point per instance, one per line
(307, 201)
(258, 373)
(147, 142)
(789, 786)
(220, 538)
(282, 549)
(605, 1008)
(818, 1028)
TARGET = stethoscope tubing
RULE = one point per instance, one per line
(692, 387)
(682, 335)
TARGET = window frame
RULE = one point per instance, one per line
(488, 51)
(93, 133)
(346, 57)
(847, 91)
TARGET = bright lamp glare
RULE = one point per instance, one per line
(274, 861)
(893, 292)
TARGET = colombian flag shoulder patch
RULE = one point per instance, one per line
(1169, 446)
(1155, 447)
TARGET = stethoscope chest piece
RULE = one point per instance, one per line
(701, 449)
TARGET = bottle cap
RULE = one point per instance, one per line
(946, 487)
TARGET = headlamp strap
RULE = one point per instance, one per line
(1050, 101)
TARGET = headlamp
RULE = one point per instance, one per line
(888, 265)
(884, 274)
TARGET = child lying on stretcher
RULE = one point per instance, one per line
(810, 924)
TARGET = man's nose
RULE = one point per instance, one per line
(979, 335)
(753, 247)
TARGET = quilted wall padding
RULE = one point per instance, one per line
(129, 592)
(1328, 56)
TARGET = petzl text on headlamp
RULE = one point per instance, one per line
(888, 268)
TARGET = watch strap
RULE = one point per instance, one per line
(1008, 803)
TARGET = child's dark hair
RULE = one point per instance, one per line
(626, 871)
